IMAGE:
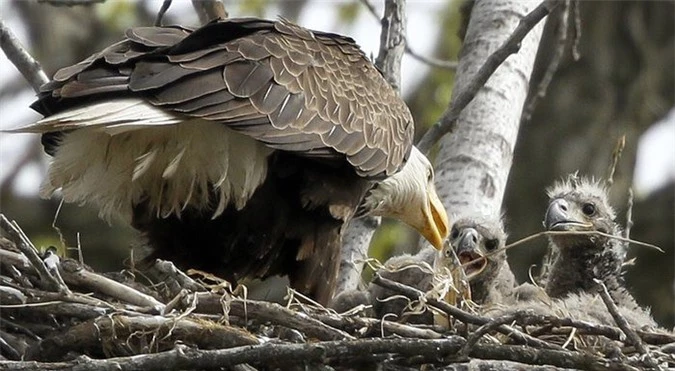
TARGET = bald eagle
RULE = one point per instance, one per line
(242, 148)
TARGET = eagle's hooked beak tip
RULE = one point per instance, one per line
(436, 227)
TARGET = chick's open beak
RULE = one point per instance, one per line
(435, 228)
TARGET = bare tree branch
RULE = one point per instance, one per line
(75, 274)
(624, 326)
(382, 327)
(392, 42)
(462, 99)
(433, 62)
(577, 31)
(22, 60)
(273, 354)
(412, 351)
(158, 333)
(208, 10)
(562, 31)
(162, 10)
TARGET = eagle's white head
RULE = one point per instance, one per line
(410, 196)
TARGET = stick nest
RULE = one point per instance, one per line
(56, 313)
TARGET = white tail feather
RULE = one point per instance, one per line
(119, 160)
(118, 116)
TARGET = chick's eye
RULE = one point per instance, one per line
(454, 233)
(430, 175)
(491, 244)
(588, 209)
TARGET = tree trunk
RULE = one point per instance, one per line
(473, 162)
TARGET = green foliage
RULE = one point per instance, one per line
(386, 238)
(253, 8)
(349, 12)
(43, 241)
(118, 15)
(383, 245)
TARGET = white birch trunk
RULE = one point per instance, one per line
(474, 161)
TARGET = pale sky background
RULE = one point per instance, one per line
(655, 159)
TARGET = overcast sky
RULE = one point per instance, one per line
(656, 155)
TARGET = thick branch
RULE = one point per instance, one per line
(462, 99)
(144, 333)
(392, 42)
(24, 62)
(75, 274)
(272, 312)
(433, 62)
(273, 355)
(382, 327)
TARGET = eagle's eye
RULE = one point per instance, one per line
(430, 175)
(588, 209)
(454, 233)
(492, 244)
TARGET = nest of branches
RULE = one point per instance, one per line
(59, 314)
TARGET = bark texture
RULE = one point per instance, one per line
(473, 162)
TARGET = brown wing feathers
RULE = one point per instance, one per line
(293, 89)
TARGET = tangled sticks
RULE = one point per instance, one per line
(89, 320)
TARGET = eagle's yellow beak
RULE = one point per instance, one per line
(435, 226)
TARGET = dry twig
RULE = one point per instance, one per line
(162, 10)
(553, 64)
(433, 62)
(16, 235)
(624, 326)
(466, 317)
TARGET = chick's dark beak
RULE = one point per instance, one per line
(561, 216)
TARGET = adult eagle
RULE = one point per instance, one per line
(242, 148)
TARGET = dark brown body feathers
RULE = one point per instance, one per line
(335, 123)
